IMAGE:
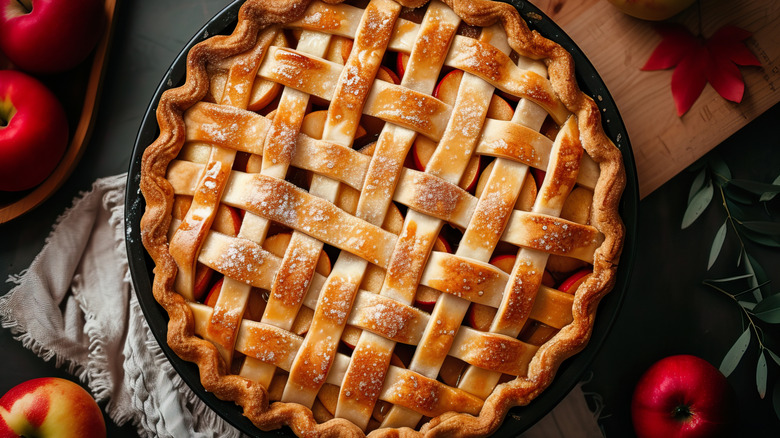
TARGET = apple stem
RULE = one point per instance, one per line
(681, 413)
(7, 112)
(26, 5)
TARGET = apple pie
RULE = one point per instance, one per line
(373, 215)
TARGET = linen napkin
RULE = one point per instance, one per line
(75, 305)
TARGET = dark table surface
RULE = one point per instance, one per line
(666, 310)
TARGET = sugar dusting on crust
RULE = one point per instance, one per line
(563, 175)
(268, 345)
(407, 108)
(363, 383)
(555, 236)
(313, 363)
(391, 319)
(435, 196)
(467, 280)
(489, 219)
(407, 261)
(292, 279)
(524, 285)
(322, 17)
(496, 353)
(241, 260)
(280, 142)
(336, 300)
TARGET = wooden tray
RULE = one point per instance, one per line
(87, 79)
(619, 45)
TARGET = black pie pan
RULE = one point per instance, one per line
(520, 418)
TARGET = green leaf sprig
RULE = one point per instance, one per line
(748, 220)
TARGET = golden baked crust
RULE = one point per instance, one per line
(175, 247)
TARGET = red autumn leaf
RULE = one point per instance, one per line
(725, 78)
(728, 34)
(697, 61)
(728, 42)
(688, 80)
(677, 43)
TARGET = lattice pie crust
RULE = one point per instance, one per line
(362, 215)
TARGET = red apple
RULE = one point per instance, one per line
(48, 36)
(33, 131)
(683, 396)
(50, 406)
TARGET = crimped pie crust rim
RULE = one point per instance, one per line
(258, 14)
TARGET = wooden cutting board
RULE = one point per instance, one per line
(618, 46)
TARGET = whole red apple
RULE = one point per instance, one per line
(49, 407)
(683, 396)
(33, 131)
(48, 36)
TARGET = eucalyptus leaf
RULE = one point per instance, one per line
(697, 184)
(769, 196)
(749, 290)
(737, 194)
(771, 316)
(755, 187)
(749, 305)
(752, 267)
(735, 210)
(761, 375)
(763, 227)
(720, 167)
(776, 400)
(769, 303)
(761, 276)
(699, 203)
(774, 357)
(717, 244)
(761, 239)
(728, 279)
(768, 309)
(735, 353)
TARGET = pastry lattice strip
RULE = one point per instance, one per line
(492, 146)
(232, 302)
